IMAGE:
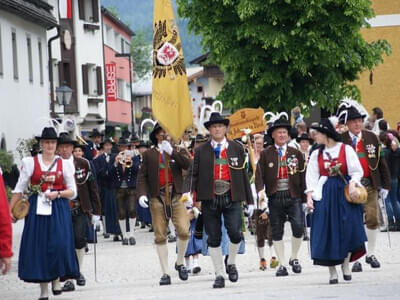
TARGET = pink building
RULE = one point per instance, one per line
(117, 40)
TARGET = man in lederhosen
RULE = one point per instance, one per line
(221, 183)
(124, 175)
(280, 176)
(376, 175)
(160, 176)
(86, 204)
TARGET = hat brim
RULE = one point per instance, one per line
(273, 128)
(46, 138)
(223, 121)
(77, 145)
(304, 139)
(333, 135)
(354, 117)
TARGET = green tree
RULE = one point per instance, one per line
(141, 54)
(280, 53)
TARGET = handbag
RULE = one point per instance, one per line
(362, 195)
(21, 207)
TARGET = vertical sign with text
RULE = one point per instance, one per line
(111, 84)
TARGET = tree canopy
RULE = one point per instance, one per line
(280, 53)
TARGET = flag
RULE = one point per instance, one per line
(65, 9)
(170, 100)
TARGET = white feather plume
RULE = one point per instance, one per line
(334, 121)
(347, 103)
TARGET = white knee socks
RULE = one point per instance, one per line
(162, 251)
(261, 252)
(233, 250)
(55, 284)
(296, 243)
(44, 289)
(122, 225)
(345, 265)
(280, 251)
(181, 246)
(131, 226)
(80, 253)
(333, 273)
(371, 235)
(216, 257)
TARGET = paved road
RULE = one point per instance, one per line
(132, 272)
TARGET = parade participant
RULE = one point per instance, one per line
(143, 214)
(194, 246)
(376, 175)
(280, 177)
(93, 146)
(221, 183)
(124, 172)
(337, 231)
(85, 205)
(103, 165)
(134, 143)
(47, 243)
(304, 142)
(160, 176)
(5, 229)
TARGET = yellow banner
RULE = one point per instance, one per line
(171, 103)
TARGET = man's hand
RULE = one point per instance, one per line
(249, 210)
(5, 265)
(166, 146)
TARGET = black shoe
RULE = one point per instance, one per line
(183, 273)
(56, 292)
(165, 280)
(282, 271)
(233, 274)
(116, 238)
(81, 281)
(68, 286)
(219, 282)
(125, 242)
(136, 223)
(333, 281)
(196, 270)
(86, 249)
(106, 235)
(132, 241)
(44, 298)
(347, 277)
(372, 261)
(151, 229)
(356, 267)
(142, 226)
(296, 267)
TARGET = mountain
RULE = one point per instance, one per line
(138, 14)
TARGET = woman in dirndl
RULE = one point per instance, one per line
(47, 245)
(337, 230)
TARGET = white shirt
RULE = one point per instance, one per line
(315, 182)
(284, 148)
(27, 168)
(352, 136)
(224, 144)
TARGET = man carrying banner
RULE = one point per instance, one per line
(160, 176)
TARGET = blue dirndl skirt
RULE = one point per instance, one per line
(47, 250)
(143, 214)
(194, 245)
(337, 227)
(110, 211)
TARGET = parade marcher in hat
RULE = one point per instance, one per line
(221, 183)
(376, 175)
(5, 229)
(160, 176)
(280, 177)
(47, 244)
(337, 231)
(305, 143)
(103, 164)
(124, 172)
(93, 146)
(143, 214)
(86, 205)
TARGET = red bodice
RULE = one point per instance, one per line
(53, 181)
(325, 164)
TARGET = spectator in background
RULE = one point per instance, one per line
(375, 119)
(297, 116)
(5, 230)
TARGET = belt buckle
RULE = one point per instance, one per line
(365, 181)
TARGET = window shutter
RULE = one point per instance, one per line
(81, 6)
(85, 79)
(95, 7)
(99, 81)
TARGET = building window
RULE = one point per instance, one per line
(122, 45)
(15, 53)
(92, 80)
(117, 43)
(89, 10)
(29, 48)
(128, 91)
(40, 61)
(1, 55)
(121, 89)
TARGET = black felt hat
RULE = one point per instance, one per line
(134, 138)
(64, 139)
(106, 140)
(280, 123)
(143, 144)
(79, 145)
(216, 118)
(95, 132)
(154, 132)
(325, 126)
(304, 137)
(48, 133)
(123, 141)
(352, 114)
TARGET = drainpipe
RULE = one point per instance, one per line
(52, 100)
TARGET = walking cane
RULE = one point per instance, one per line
(385, 217)
(95, 255)
(307, 211)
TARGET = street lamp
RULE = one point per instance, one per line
(130, 85)
(64, 94)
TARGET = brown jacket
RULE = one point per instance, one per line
(88, 194)
(267, 172)
(148, 181)
(203, 173)
(380, 173)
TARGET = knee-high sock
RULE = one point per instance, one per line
(103, 221)
(233, 250)
(333, 273)
(296, 243)
(216, 257)
(122, 225)
(261, 252)
(280, 251)
(80, 253)
(162, 251)
(131, 226)
(55, 284)
(44, 289)
(345, 265)
(371, 235)
(181, 246)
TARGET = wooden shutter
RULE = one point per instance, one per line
(81, 6)
(95, 7)
(85, 79)
(99, 81)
